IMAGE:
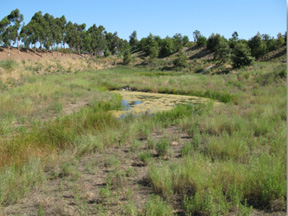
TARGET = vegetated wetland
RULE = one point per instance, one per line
(215, 146)
(137, 103)
(66, 154)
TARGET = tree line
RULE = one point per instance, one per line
(50, 32)
(240, 51)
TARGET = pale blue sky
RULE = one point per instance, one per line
(164, 17)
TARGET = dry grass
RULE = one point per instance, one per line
(28, 63)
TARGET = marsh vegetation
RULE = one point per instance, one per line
(202, 126)
(60, 141)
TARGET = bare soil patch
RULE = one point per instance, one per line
(29, 54)
(99, 183)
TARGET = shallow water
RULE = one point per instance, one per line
(136, 103)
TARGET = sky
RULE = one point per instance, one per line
(164, 17)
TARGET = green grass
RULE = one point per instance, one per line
(235, 161)
(145, 157)
(15, 183)
(156, 206)
(162, 147)
(8, 64)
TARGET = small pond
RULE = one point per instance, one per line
(142, 102)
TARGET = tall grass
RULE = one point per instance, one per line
(15, 182)
(239, 161)
(235, 159)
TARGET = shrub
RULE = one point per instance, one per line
(201, 41)
(241, 56)
(127, 57)
(167, 47)
(181, 60)
(106, 52)
(258, 46)
(213, 42)
(222, 53)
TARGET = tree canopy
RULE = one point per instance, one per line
(49, 32)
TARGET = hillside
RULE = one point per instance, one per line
(27, 62)
(279, 55)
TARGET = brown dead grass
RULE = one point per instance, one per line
(29, 62)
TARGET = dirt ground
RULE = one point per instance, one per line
(81, 188)
(104, 183)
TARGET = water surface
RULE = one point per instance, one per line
(136, 103)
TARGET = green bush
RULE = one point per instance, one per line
(167, 47)
(180, 61)
(106, 52)
(258, 46)
(241, 56)
(127, 57)
(222, 53)
(213, 42)
(201, 41)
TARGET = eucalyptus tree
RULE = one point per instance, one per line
(70, 35)
(9, 27)
(112, 41)
(40, 27)
(75, 35)
(4, 23)
(33, 32)
(16, 18)
(97, 38)
(196, 35)
(49, 29)
(59, 31)
(80, 35)
(121, 45)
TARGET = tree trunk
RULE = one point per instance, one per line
(57, 50)
(64, 49)
(18, 44)
(95, 53)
